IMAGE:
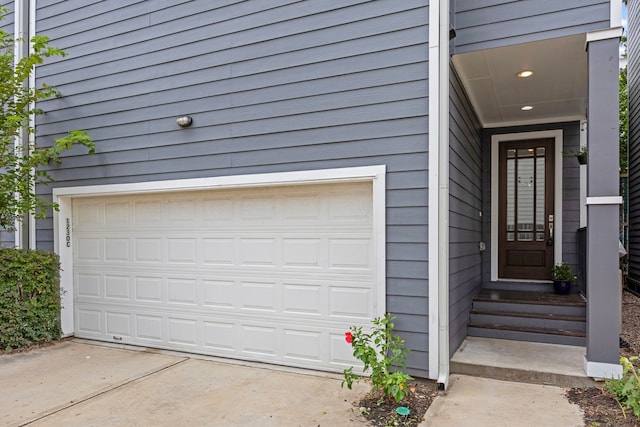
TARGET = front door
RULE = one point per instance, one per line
(526, 217)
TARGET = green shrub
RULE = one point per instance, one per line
(384, 354)
(626, 389)
(29, 297)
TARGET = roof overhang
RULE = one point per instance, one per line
(557, 90)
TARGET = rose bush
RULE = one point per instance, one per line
(381, 352)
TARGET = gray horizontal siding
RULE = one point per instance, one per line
(465, 203)
(494, 23)
(272, 86)
(633, 86)
(7, 17)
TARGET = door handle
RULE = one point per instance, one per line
(551, 230)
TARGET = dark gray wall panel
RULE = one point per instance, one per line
(494, 23)
(570, 189)
(633, 86)
(272, 86)
(465, 203)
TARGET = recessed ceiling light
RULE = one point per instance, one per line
(525, 73)
(526, 108)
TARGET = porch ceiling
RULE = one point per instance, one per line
(557, 90)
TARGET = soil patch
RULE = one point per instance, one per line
(600, 407)
(381, 412)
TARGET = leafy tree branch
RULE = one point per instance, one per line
(23, 167)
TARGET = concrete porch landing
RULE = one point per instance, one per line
(528, 362)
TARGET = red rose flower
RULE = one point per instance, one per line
(348, 336)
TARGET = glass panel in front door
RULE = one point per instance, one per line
(525, 194)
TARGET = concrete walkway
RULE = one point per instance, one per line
(80, 384)
(483, 402)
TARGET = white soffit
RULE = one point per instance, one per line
(557, 90)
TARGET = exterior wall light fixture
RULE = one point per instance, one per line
(184, 121)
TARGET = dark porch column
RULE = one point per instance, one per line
(603, 287)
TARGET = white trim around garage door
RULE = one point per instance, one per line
(62, 220)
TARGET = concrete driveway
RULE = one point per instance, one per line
(79, 383)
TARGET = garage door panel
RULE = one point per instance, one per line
(214, 210)
(117, 287)
(260, 252)
(89, 322)
(119, 324)
(303, 345)
(303, 207)
(148, 212)
(350, 206)
(308, 253)
(269, 274)
(148, 250)
(220, 336)
(182, 331)
(288, 295)
(116, 213)
(304, 299)
(182, 251)
(181, 291)
(350, 302)
(148, 289)
(219, 294)
(88, 214)
(258, 296)
(259, 341)
(117, 249)
(218, 251)
(351, 253)
(262, 208)
(181, 210)
(89, 249)
(341, 355)
(89, 285)
(148, 328)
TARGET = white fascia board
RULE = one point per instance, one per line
(604, 200)
(229, 181)
(609, 33)
(434, 149)
(615, 13)
(543, 121)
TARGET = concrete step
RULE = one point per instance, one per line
(529, 362)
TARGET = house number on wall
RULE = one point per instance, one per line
(68, 233)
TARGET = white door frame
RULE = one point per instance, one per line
(63, 219)
(495, 173)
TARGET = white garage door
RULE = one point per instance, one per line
(271, 274)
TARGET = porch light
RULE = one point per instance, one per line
(525, 73)
(184, 121)
(526, 108)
